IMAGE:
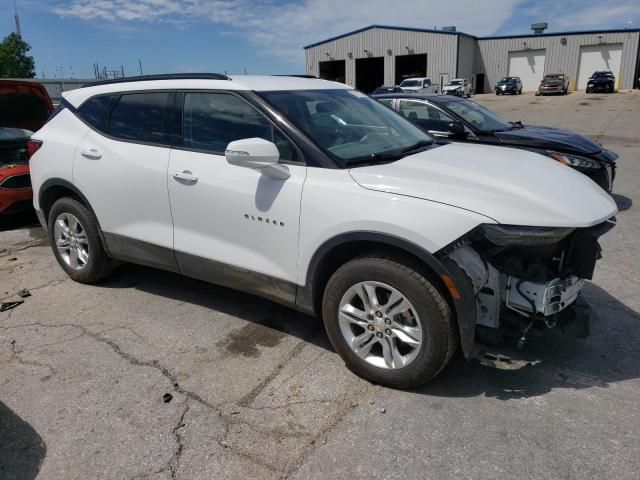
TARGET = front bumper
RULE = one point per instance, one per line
(554, 89)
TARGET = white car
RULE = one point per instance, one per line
(418, 84)
(314, 195)
(458, 86)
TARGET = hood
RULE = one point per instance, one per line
(550, 139)
(511, 186)
(600, 80)
(451, 87)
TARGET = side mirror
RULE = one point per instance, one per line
(258, 154)
(457, 129)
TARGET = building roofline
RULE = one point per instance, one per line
(559, 34)
(386, 27)
(492, 37)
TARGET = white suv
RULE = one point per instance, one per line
(314, 195)
(458, 86)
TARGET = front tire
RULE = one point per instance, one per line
(388, 321)
(74, 237)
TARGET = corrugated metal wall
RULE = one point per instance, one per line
(494, 53)
(441, 50)
(489, 57)
(466, 55)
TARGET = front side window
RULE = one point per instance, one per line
(481, 118)
(212, 120)
(140, 117)
(425, 115)
(348, 125)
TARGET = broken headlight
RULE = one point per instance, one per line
(573, 160)
(517, 235)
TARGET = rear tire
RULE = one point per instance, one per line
(404, 300)
(74, 236)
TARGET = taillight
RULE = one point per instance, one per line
(33, 146)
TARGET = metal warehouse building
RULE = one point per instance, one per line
(382, 55)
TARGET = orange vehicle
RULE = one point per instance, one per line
(24, 107)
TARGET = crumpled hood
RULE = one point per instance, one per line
(448, 88)
(511, 186)
(549, 138)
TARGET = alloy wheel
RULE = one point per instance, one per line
(380, 325)
(71, 241)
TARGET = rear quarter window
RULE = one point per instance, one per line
(140, 117)
(95, 111)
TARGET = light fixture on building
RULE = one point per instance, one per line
(563, 41)
(389, 52)
(368, 52)
(350, 55)
(524, 44)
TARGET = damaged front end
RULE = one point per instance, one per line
(522, 279)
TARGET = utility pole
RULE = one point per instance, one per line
(140, 65)
(17, 19)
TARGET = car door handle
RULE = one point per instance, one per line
(186, 176)
(91, 153)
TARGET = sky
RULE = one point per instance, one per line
(261, 36)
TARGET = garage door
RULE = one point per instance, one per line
(598, 57)
(529, 66)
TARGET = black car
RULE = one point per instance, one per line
(382, 90)
(603, 81)
(511, 85)
(459, 119)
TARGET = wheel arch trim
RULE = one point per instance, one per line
(60, 182)
(461, 294)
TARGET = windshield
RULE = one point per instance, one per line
(602, 74)
(507, 80)
(410, 83)
(348, 125)
(455, 82)
(481, 118)
(553, 78)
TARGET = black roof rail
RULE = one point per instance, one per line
(165, 76)
(298, 75)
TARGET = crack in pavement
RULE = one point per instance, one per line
(229, 420)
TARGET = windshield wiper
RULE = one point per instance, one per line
(417, 147)
(374, 158)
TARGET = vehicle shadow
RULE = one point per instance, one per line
(22, 450)
(15, 221)
(609, 355)
(248, 307)
(623, 202)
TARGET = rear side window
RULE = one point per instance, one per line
(95, 111)
(140, 117)
(212, 120)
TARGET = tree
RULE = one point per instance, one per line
(14, 61)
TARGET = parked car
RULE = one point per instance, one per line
(15, 184)
(603, 81)
(381, 90)
(24, 107)
(24, 104)
(509, 85)
(317, 196)
(463, 120)
(415, 84)
(554, 83)
(458, 86)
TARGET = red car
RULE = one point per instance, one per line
(24, 107)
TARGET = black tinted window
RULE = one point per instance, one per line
(139, 117)
(94, 111)
(212, 120)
